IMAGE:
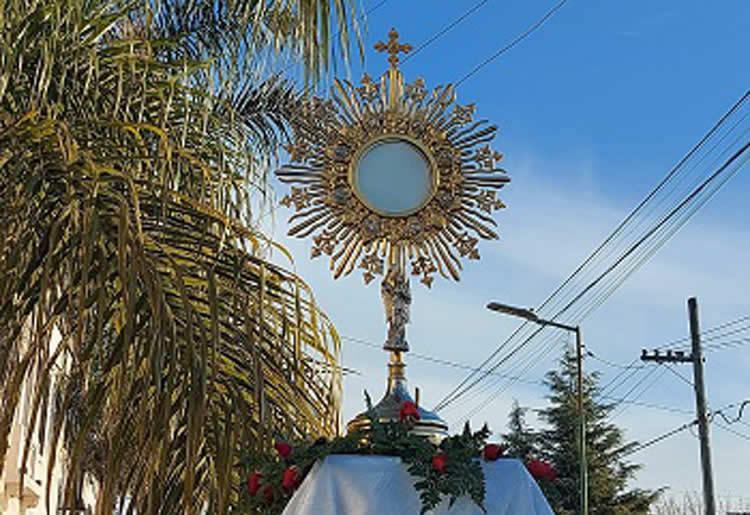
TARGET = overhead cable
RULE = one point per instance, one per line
(733, 431)
(727, 345)
(513, 43)
(619, 412)
(706, 332)
(610, 363)
(660, 438)
(634, 368)
(438, 361)
(619, 400)
(659, 243)
(444, 30)
(602, 247)
(676, 373)
(728, 420)
(638, 251)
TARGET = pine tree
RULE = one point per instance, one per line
(521, 439)
(606, 448)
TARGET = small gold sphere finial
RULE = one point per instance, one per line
(393, 48)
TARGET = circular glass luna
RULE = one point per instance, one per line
(393, 176)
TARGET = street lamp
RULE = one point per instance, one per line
(529, 315)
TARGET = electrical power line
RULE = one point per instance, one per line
(612, 236)
(713, 338)
(661, 437)
(728, 420)
(675, 372)
(728, 345)
(477, 409)
(612, 364)
(690, 383)
(724, 335)
(730, 430)
(438, 361)
(661, 223)
(513, 43)
(668, 222)
(444, 30)
(683, 378)
(464, 366)
(613, 382)
(619, 400)
(435, 37)
(518, 370)
(494, 56)
(619, 412)
(481, 369)
(719, 327)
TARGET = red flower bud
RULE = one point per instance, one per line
(541, 470)
(492, 451)
(284, 449)
(253, 483)
(290, 478)
(268, 494)
(439, 462)
(408, 410)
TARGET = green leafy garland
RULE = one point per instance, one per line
(449, 470)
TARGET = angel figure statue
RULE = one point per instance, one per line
(396, 299)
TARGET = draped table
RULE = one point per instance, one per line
(378, 485)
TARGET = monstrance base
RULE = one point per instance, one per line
(429, 425)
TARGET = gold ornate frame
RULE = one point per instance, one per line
(329, 138)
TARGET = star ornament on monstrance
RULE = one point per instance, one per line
(388, 174)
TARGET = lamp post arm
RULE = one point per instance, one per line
(552, 323)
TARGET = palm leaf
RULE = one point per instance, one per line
(126, 176)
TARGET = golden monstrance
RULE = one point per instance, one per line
(395, 181)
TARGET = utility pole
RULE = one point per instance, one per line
(696, 358)
(700, 406)
(583, 500)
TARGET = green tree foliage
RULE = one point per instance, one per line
(132, 138)
(521, 439)
(608, 469)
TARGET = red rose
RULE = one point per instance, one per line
(290, 478)
(439, 462)
(268, 494)
(284, 449)
(253, 483)
(541, 470)
(492, 451)
(408, 410)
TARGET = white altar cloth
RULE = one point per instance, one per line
(381, 485)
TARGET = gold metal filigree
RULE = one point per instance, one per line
(299, 197)
(369, 90)
(330, 136)
(393, 48)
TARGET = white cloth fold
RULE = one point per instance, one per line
(381, 485)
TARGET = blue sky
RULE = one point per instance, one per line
(594, 109)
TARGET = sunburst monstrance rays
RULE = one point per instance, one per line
(331, 138)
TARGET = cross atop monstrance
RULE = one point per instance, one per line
(393, 48)
(395, 181)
